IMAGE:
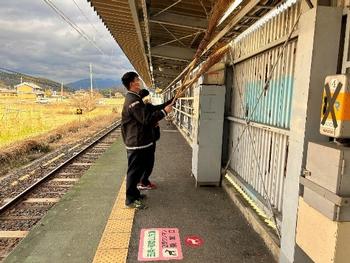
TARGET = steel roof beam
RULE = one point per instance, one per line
(148, 37)
(161, 71)
(168, 7)
(173, 52)
(171, 19)
(164, 77)
(175, 38)
(110, 3)
(172, 41)
(135, 17)
(233, 22)
(162, 81)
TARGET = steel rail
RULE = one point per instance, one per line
(109, 129)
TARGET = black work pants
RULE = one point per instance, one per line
(149, 165)
(138, 161)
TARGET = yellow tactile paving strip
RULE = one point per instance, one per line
(110, 255)
(115, 239)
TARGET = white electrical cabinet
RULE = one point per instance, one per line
(328, 171)
(209, 101)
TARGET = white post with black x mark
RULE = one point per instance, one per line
(335, 114)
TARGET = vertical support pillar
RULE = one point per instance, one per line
(317, 57)
(227, 123)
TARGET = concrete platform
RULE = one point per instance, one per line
(71, 231)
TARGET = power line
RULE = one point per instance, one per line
(89, 21)
(72, 24)
(83, 13)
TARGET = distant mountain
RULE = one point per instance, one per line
(10, 78)
(97, 84)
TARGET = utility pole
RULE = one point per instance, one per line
(21, 79)
(90, 78)
(62, 90)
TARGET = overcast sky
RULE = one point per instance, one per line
(36, 41)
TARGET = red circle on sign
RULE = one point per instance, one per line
(194, 241)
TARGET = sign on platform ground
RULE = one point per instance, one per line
(159, 244)
(194, 241)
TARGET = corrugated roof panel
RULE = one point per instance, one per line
(118, 18)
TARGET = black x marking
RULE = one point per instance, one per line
(332, 100)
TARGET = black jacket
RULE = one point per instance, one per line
(138, 122)
(151, 107)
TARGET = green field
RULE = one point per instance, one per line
(21, 120)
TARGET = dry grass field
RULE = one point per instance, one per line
(23, 120)
(29, 130)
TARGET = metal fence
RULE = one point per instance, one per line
(183, 113)
(261, 152)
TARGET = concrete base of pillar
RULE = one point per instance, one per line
(322, 239)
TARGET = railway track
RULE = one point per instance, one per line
(28, 193)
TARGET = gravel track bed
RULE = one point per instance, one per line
(73, 175)
(88, 158)
(27, 210)
(49, 194)
(58, 183)
(17, 225)
(7, 245)
(12, 183)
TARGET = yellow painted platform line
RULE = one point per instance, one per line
(115, 239)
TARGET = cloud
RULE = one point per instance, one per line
(35, 40)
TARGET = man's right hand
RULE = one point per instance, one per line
(168, 108)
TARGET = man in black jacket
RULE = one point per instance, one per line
(145, 183)
(136, 127)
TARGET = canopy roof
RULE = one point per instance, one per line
(160, 37)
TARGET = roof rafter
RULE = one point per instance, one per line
(172, 19)
(173, 53)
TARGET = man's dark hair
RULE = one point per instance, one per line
(128, 77)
